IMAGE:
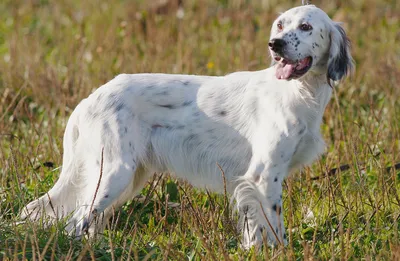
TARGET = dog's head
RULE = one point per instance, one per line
(305, 40)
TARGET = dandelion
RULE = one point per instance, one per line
(210, 65)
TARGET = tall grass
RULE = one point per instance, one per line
(54, 53)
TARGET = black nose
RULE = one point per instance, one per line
(276, 44)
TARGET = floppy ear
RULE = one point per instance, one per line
(340, 62)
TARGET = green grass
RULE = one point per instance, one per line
(54, 53)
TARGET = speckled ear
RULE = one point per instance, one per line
(340, 62)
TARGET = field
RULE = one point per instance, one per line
(54, 53)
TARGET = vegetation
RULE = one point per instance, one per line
(54, 53)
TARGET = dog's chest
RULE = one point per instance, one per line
(310, 146)
(293, 123)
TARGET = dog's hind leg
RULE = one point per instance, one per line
(60, 200)
(115, 179)
(111, 175)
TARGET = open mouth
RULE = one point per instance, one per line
(287, 69)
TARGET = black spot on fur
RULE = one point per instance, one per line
(222, 113)
(119, 106)
(302, 130)
(296, 148)
(106, 196)
(163, 93)
(275, 179)
(284, 236)
(277, 208)
(321, 36)
(167, 106)
(191, 137)
(186, 83)
(85, 226)
(310, 33)
(112, 101)
(126, 130)
(130, 144)
(95, 114)
(187, 103)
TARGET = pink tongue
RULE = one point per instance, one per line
(283, 71)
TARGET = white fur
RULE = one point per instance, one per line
(256, 127)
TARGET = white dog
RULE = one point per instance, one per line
(258, 126)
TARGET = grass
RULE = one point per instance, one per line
(54, 53)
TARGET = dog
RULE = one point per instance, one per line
(256, 126)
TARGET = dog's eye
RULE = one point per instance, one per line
(305, 27)
(280, 26)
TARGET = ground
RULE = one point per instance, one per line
(53, 54)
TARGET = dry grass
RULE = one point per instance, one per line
(54, 53)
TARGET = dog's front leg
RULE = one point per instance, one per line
(258, 193)
(271, 211)
(259, 202)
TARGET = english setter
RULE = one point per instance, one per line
(258, 126)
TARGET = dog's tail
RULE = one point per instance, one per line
(60, 200)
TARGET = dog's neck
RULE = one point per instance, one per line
(319, 88)
(313, 81)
